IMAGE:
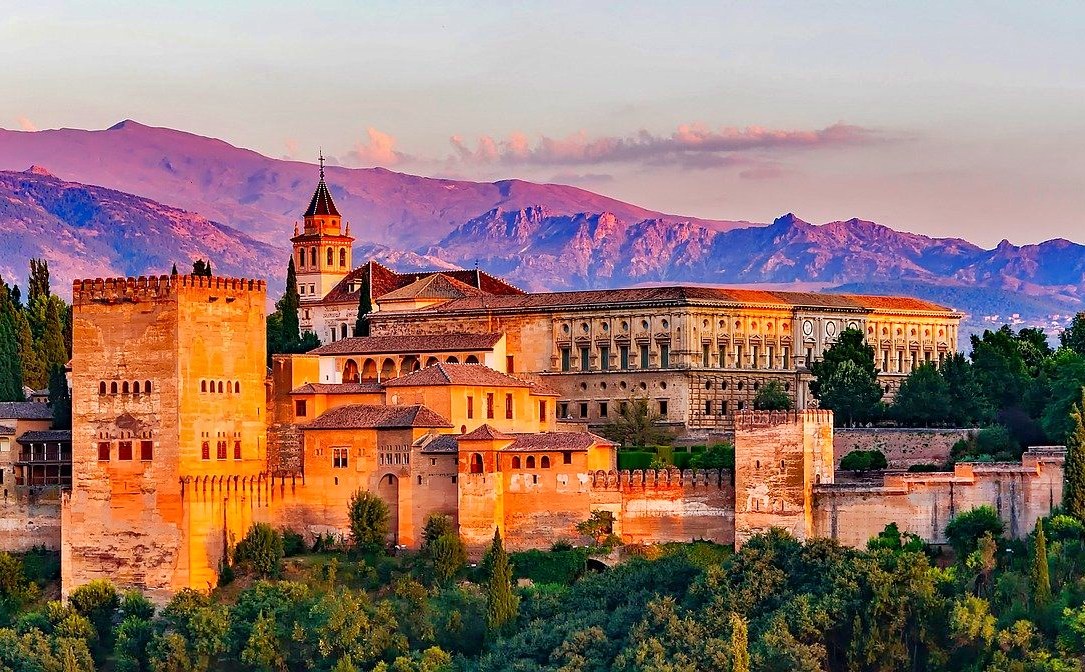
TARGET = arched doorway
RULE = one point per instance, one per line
(350, 371)
(388, 491)
(388, 369)
(476, 463)
(369, 370)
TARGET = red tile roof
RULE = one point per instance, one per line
(456, 374)
(322, 204)
(383, 280)
(338, 388)
(379, 345)
(436, 286)
(367, 416)
(557, 441)
(486, 433)
(25, 410)
(440, 443)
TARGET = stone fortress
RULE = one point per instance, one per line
(471, 398)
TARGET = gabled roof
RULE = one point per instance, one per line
(372, 345)
(438, 443)
(322, 204)
(486, 433)
(46, 436)
(456, 374)
(25, 410)
(372, 416)
(383, 280)
(436, 286)
(557, 441)
(6, 431)
(338, 388)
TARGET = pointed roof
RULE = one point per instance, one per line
(442, 373)
(486, 433)
(437, 286)
(372, 416)
(322, 204)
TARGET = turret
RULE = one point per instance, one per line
(322, 250)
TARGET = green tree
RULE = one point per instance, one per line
(35, 374)
(967, 405)
(846, 380)
(772, 397)
(716, 456)
(1073, 337)
(60, 399)
(52, 350)
(637, 425)
(368, 521)
(436, 526)
(740, 653)
(864, 460)
(261, 550)
(365, 307)
(288, 308)
(1073, 498)
(97, 601)
(447, 555)
(1000, 367)
(1041, 577)
(201, 268)
(11, 367)
(598, 527)
(966, 529)
(1067, 378)
(923, 398)
(502, 604)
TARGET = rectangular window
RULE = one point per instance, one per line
(623, 407)
(603, 409)
(563, 409)
(623, 357)
(510, 364)
(885, 361)
(566, 457)
(103, 451)
(723, 357)
(542, 410)
(508, 407)
(809, 357)
(723, 408)
(644, 356)
(220, 450)
(490, 405)
(470, 407)
(146, 450)
(756, 354)
(566, 363)
(662, 408)
(604, 358)
(770, 355)
(237, 450)
(205, 450)
(787, 357)
(738, 356)
(913, 358)
(708, 407)
(927, 356)
(299, 408)
(664, 356)
(583, 409)
(124, 450)
(585, 361)
(340, 458)
(706, 356)
(900, 361)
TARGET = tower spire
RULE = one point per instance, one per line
(321, 163)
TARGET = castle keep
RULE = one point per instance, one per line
(471, 399)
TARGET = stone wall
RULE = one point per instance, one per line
(924, 503)
(903, 447)
(30, 517)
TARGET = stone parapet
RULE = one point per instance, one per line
(153, 288)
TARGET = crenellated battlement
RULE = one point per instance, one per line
(155, 288)
(746, 420)
(660, 478)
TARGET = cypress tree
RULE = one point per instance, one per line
(201, 267)
(288, 308)
(11, 368)
(53, 351)
(740, 652)
(33, 368)
(173, 271)
(37, 298)
(365, 307)
(502, 605)
(60, 399)
(1041, 577)
(1073, 497)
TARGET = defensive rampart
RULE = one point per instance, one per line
(902, 447)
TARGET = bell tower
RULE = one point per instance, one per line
(322, 250)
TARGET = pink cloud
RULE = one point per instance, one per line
(765, 172)
(26, 124)
(378, 150)
(689, 146)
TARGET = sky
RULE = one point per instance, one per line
(949, 119)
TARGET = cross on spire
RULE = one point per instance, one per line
(322, 163)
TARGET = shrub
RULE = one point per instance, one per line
(716, 456)
(598, 526)
(41, 565)
(995, 440)
(96, 601)
(368, 521)
(634, 459)
(1062, 527)
(924, 468)
(864, 460)
(293, 542)
(261, 551)
(447, 556)
(437, 525)
(683, 460)
(562, 567)
(965, 530)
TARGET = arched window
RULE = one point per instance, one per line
(312, 256)
(237, 387)
(135, 387)
(369, 370)
(343, 330)
(101, 387)
(146, 387)
(476, 463)
(350, 372)
(471, 359)
(343, 257)
(452, 360)
(530, 461)
(331, 259)
(301, 257)
(113, 387)
(544, 462)
(203, 386)
(516, 462)
(220, 387)
(124, 387)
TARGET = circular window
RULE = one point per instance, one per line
(643, 386)
(899, 331)
(704, 324)
(708, 384)
(721, 324)
(565, 328)
(753, 325)
(584, 327)
(666, 324)
(603, 385)
(740, 386)
(808, 328)
(583, 386)
(830, 329)
(926, 332)
(941, 332)
(662, 385)
(625, 326)
(738, 324)
(644, 324)
(913, 332)
(885, 331)
(622, 385)
(605, 326)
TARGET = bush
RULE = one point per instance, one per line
(683, 460)
(716, 456)
(634, 459)
(261, 551)
(924, 468)
(965, 530)
(41, 565)
(562, 567)
(437, 525)
(1062, 527)
(96, 601)
(864, 460)
(368, 521)
(293, 542)
(447, 556)
(995, 440)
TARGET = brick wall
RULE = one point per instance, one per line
(902, 447)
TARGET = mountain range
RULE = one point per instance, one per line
(98, 205)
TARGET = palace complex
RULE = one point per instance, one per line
(469, 398)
